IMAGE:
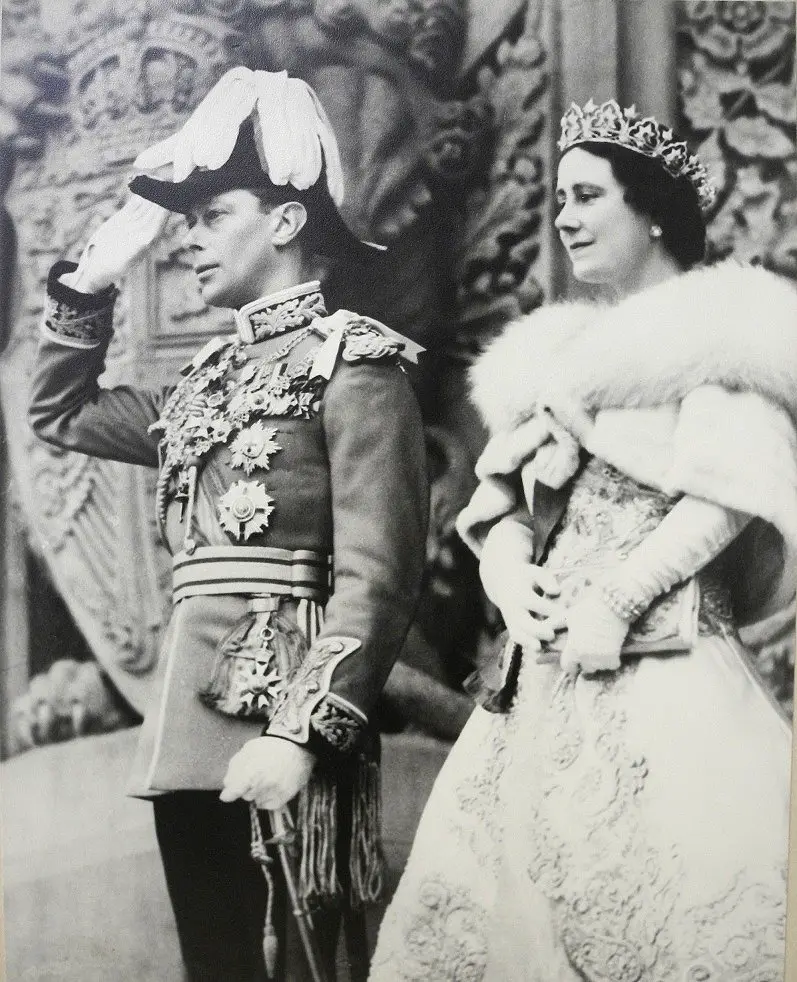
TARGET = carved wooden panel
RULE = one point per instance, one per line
(498, 275)
(88, 83)
(736, 78)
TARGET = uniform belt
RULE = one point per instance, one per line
(248, 570)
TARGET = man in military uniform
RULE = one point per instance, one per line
(292, 496)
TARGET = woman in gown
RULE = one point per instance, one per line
(621, 812)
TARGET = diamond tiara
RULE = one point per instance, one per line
(609, 123)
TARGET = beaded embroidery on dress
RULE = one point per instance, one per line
(568, 839)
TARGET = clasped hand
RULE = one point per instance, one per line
(526, 596)
(524, 593)
(268, 771)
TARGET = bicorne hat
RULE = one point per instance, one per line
(258, 131)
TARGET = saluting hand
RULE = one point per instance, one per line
(116, 244)
(268, 771)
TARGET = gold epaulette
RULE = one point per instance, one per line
(366, 340)
(358, 338)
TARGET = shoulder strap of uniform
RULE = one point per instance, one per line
(358, 338)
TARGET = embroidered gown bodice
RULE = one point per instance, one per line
(623, 827)
(609, 513)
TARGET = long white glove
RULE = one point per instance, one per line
(116, 244)
(522, 591)
(595, 636)
(685, 541)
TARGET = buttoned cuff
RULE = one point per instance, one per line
(74, 319)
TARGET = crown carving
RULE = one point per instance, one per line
(609, 123)
(135, 84)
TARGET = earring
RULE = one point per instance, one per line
(655, 231)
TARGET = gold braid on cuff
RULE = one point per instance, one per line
(309, 688)
(338, 724)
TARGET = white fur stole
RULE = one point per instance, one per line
(689, 386)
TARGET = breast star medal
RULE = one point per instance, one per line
(244, 509)
(253, 447)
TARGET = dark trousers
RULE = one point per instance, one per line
(218, 894)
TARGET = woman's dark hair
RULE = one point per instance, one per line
(670, 202)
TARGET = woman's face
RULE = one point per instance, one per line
(607, 241)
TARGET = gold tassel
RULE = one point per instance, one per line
(254, 661)
(270, 942)
(318, 826)
(366, 858)
(261, 856)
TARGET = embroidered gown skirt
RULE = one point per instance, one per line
(630, 827)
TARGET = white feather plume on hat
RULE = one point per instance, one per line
(293, 135)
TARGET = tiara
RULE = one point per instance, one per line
(609, 123)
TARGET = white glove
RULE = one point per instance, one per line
(268, 771)
(520, 590)
(595, 635)
(689, 537)
(117, 244)
(686, 540)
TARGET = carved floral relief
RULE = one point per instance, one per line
(499, 244)
(736, 76)
(87, 84)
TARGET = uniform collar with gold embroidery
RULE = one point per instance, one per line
(277, 313)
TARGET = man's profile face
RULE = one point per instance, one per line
(230, 240)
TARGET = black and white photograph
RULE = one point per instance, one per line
(398, 453)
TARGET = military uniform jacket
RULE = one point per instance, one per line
(291, 459)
